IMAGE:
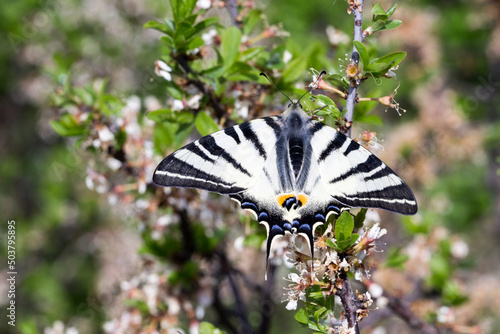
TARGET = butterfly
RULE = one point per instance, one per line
(290, 170)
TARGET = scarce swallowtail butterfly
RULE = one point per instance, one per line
(290, 170)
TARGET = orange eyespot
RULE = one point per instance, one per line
(282, 198)
(302, 199)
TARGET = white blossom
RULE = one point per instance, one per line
(459, 249)
(292, 305)
(336, 37)
(287, 56)
(204, 4)
(208, 37)
(105, 135)
(376, 232)
(375, 290)
(163, 70)
(113, 164)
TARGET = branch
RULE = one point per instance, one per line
(218, 108)
(402, 310)
(346, 294)
(239, 304)
(349, 301)
(232, 8)
(357, 10)
(267, 302)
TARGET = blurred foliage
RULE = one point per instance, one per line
(64, 47)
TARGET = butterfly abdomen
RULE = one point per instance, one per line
(296, 151)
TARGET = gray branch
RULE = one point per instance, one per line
(353, 88)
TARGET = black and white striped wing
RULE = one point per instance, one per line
(355, 177)
(226, 162)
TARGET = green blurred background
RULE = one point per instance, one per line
(449, 86)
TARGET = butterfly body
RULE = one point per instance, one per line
(291, 171)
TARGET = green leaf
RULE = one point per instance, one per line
(319, 313)
(396, 259)
(452, 294)
(206, 328)
(205, 124)
(251, 53)
(168, 41)
(195, 43)
(301, 316)
(344, 226)
(167, 115)
(202, 25)
(394, 58)
(391, 24)
(251, 20)
(363, 53)
(166, 28)
(330, 244)
(163, 136)
(360, 218)
(385, 25)
(230, 46)
(181, 9)
(294, 69)
(381, 65)
(68, 126)
(391, 10)
(378, 10)
(174, 90)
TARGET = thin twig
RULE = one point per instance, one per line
(353, 88)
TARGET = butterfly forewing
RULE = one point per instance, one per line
(227, 162)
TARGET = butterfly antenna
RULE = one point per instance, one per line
(272, 83)
(311, 87)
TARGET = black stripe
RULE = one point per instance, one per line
(334, 144)
(316, 126)
(352, 147)
(273, 124)
(174, 165)
(399, 191)
(375, 199)
(193, 148)
(381, 173)
(249, 134)
(210, 145)
(233, 134)
(370, 164)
